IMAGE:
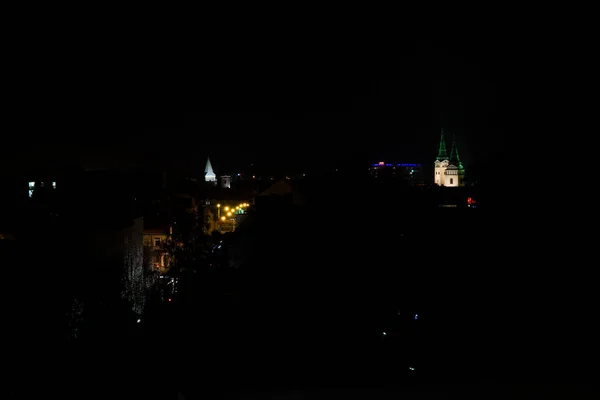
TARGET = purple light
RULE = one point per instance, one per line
(398, 165)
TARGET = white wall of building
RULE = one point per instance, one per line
(439, 172)
(226, 182)
(451, 177)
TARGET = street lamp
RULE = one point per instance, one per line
(223, 218)
(218, 210)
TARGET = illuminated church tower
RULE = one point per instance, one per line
(209, 174)
(455, 161)
(441, 163)
(448, 171)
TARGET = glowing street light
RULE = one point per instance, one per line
(223, 218)
(218, 210)
(226, 208)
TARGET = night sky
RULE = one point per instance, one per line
(393, 112)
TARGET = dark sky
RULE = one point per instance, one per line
(393, 111)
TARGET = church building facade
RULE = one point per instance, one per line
(448, 170)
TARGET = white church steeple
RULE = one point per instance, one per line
(209, 174)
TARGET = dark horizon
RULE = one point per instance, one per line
(310, 154)
(296, 120)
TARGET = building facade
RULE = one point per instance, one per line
(154, 240)
(448, 170)
(226, 181)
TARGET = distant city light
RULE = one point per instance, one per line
(381, 164)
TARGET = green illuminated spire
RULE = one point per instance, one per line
(442, 154)
(454, 158)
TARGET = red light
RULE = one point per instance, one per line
(469, 200)
(169, 299)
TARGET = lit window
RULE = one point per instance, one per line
(53, 185)
(31, 185)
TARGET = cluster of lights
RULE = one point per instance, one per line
(382, 164)
(230, 211)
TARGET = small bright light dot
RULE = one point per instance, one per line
(139, 320)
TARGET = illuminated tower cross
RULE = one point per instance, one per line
(209, 174)
(441, 163)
